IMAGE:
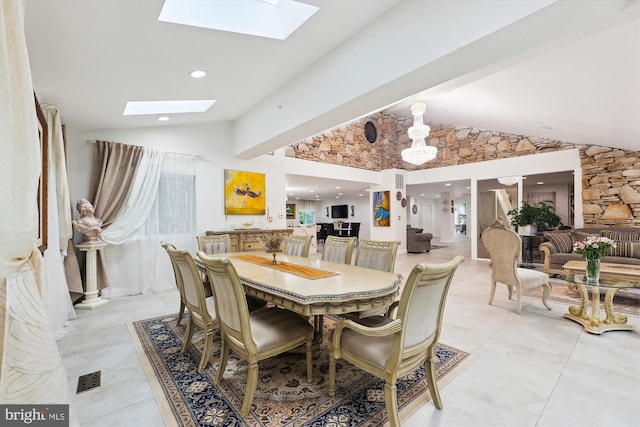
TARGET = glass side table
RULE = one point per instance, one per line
(612, 278)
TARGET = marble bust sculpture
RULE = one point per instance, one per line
(88, 224)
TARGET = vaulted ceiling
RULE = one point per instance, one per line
(566, 70)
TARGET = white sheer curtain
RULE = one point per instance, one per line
(32, 370)
(172, 219)
(143, 194)
(55, 291)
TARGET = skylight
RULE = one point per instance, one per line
(276, 19)
(135, 108)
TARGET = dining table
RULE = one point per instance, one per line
(313, 287)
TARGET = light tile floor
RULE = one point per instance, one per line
(532, 369)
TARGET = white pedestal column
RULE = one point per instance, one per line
(91, 298)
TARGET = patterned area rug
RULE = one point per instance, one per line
(283, 397)
(626, 301)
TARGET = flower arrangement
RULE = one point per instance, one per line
(594, 247)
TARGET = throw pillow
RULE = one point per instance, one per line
(625, 236)
(562, 241)
(626, 249)
(581, 236)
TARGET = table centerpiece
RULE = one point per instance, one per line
(592, 250)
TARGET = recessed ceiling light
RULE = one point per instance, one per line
(310, 191)
(337, 197)
(360, 195)
(136, 108)
(447, 185)
(273, 19)
(540, 182)
(339, 194)
(198, 74)
(163, 118)
(338, 187)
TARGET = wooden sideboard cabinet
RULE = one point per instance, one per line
(248, 240)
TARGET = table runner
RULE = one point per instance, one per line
(298, 270)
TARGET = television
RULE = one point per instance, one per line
(340, 211)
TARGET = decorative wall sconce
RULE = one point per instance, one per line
(351, 210)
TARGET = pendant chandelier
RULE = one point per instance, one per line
(419, 152)
(508, 180)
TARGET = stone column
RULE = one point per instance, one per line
(91, 298)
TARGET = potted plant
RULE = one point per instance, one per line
(530, 219)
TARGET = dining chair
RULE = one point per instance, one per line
(391, 347)
(338, 249)
(255, 335)
(377, 254)
(355, 230)
(178, 279)
(214, 244)
(504, 246)
(298, 245)
(202, 310)
(218, 244)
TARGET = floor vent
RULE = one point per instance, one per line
(88, 381)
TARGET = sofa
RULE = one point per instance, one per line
(417, 241)
(558, 246)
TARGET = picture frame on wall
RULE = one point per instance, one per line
(291, 211)
(382, 209)
(244, 193)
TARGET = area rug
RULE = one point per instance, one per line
(626, 301)
(283, 397)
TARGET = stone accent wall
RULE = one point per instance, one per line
(347, 146)
(611, 177)
(610, 186)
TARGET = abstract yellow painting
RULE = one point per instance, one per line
(244, 193)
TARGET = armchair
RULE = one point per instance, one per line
(504, 246)
(389, 347)
(417, 241)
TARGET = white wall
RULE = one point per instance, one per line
(211, 143)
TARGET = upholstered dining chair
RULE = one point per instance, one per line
(505, 247)
(391, 347)
(178, 279)
(202, 311)
(218, 244)
(338, 249)
(298, 245)
(256, 335)
(377, 254)
(214, 244)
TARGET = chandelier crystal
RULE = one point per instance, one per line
(508, 180)
(419, 152)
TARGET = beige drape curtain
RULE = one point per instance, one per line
(114, 167)
(112, 177)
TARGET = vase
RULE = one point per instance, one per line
(593, 271)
